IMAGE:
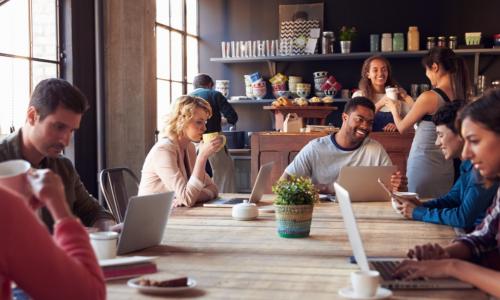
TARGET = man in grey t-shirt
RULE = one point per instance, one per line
(322, 158)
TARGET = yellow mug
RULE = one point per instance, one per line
(207, 137)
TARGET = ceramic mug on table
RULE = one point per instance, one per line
(208, 137)
(365, 283)
(104, 244)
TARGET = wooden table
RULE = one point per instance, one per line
(247, 260)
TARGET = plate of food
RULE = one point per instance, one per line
(158, 286)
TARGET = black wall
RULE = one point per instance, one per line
(225, 20)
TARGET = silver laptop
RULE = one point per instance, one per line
(362, 184)
(384, 266)
(263, 178)
(145, 221)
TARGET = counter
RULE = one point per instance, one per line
(283, 147)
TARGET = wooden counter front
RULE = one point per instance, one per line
(282, 148)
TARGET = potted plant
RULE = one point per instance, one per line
(346, 35)
(294, 206)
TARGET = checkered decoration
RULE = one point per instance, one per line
(295, 30)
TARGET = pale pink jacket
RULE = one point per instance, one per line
(164, 170)
(59, 267)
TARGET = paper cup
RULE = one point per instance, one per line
(14, 175)
(104, 244)
(208, 137)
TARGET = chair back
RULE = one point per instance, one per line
(117, 185)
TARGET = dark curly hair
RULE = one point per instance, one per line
(447, 114)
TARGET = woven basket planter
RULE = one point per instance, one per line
(293, 221)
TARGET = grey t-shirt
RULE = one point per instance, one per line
(322, 158)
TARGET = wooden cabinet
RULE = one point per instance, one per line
(283, 147)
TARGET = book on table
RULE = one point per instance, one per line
(126, 267)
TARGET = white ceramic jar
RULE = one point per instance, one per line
(245, 211)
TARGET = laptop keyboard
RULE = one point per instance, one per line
(386, 269)
(234, 200)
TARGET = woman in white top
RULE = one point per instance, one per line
(376, 75)
(172, 163)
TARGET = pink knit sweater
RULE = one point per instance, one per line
(59, 267)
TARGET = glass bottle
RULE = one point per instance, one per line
(431, 42)
(452, 42)
(386, 42)
(398, 42)
(413, 38)
(441, 41)
(327, 42)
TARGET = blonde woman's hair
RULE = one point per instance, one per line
(182, 113)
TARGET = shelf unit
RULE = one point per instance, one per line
(272, 60)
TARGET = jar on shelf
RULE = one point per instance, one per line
(431, 42)
(398, 42)
(413, 38)
(441, 41)
(386, 42)
(327, 42)
(452, 42)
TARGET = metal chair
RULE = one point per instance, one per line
(117, 185)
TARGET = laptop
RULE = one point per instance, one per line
(263, 178)
(145, 221)
(362, 182)
(385, 266)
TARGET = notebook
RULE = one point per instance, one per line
(145, 221)
(263, 178)
(362, 182)
(384, 266)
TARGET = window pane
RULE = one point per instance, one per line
(176, 56)
(192, 16)
(14, 92)
(163, 102)
(162, 12)
(14, 28)
(176, 90)
(162, 53)
(43, 71)
(176, 14)
(192, 58)
(190, 88)
(44, 29)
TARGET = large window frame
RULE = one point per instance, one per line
(31, 59)
(186, 79)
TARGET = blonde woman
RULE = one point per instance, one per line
(172, 163)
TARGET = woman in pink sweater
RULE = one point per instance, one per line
(59, 267)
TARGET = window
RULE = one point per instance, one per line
(29, 50)
(176, 51)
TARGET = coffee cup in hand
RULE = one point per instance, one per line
(410, 196)
(208, 137)
(104, 244)
(365, 283)
(14, 176)
(392, 92)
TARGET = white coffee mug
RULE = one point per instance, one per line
(104, 244)
(392, 92)
(365, 283)
(407, 195)
(14, 175)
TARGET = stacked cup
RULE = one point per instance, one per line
(292, 83)
(303, 89)
(248, 86)
(319, 78)
(222, 86)
(278, 83)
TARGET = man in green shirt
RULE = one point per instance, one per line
(54, 113)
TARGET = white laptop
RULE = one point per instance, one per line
(384, 266)
(145, 221)
(263, 178)
(362, 184)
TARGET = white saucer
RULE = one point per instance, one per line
(348, 293)
(160, 290)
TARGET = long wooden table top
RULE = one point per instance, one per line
(232, 259)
